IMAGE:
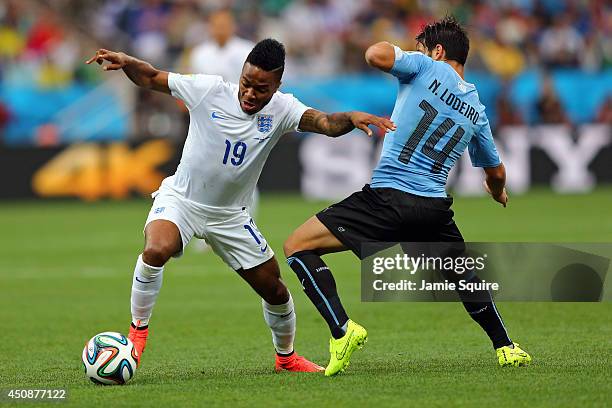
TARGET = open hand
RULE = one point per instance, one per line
(361, 120)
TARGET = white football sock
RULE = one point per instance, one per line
(145, 287)
(281, 320)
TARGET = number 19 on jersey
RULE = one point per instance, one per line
(238, 152)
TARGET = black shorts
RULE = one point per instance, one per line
(388, 215)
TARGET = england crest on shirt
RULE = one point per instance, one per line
(264, 123)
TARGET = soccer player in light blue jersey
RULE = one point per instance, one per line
(438, 115)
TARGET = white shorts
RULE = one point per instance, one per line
(231, 233)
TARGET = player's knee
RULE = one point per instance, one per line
(277, 294)
(157, 254)
(292, 245)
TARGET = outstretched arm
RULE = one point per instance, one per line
(495, 183)
(338, 124)
(139, 72)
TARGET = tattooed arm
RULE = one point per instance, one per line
(338, 124)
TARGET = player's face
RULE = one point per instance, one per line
(256, 88)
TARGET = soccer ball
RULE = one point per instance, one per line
(109, 358)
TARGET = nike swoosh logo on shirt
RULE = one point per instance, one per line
(264, 248)
(215, 115)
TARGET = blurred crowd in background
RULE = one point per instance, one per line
(46, 42)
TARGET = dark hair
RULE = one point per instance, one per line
(268, 55)
(450, 35)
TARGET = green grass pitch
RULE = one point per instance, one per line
(65, 273)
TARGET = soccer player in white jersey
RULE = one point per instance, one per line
(231, 132)
(222, 55)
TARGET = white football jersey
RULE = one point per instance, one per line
(226, 148)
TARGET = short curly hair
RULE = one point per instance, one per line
(450, 35)
(268, 55)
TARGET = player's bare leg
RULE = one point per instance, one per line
(303, 249)
(162, 240)
(279, 314)
(312, 236)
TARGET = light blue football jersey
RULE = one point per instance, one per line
(437, 115)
